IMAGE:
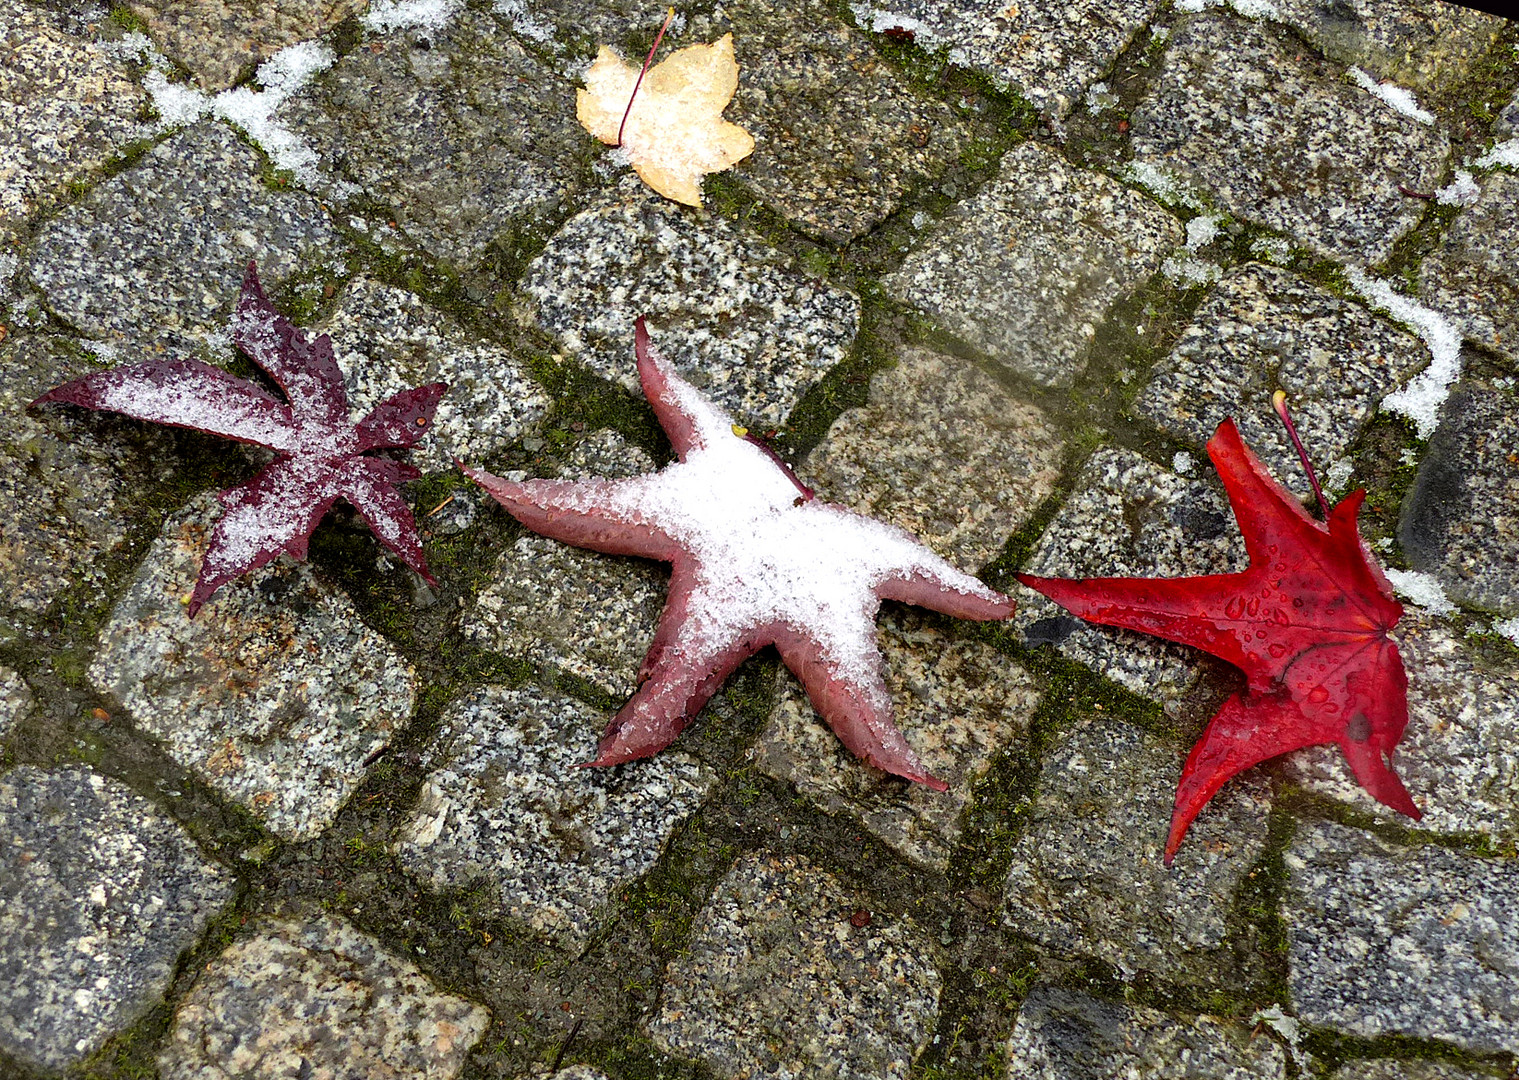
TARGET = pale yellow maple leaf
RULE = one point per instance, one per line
(675, 133)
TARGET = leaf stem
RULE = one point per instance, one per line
(669, 15)
(796, 481)
(1279, 402)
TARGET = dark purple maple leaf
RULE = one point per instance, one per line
(321, 451)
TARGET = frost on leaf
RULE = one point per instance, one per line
(1307, 623)
(675, 132)
(320, 451)
(756, 561)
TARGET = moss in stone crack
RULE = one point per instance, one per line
(1392, 828)
(1002, 800)
(1334, 1049)
(727, 196)
(438, 282)
(1255, 922)
(1386, 465)
(1138, 332)
(192, 463)
(846, 385)
(1000, 803)
(127, 21)
(305, 291)
(131, 1054)
(347, 36)
(515, 246)
(1084, 693)
(1469, 105)
(637, 1059)
(1019, 548)
(588, 402)
(982, 992)
(667, 899)
(1410, 250)
(968, 92)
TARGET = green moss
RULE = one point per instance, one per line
(1386, 464)
(127, 20)
(1394, 829)
(844, 386)
(1334, 1049)
(125, 157)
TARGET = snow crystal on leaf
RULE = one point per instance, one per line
(757, 561)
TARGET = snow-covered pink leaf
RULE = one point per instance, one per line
(756, 561)
(320, 449)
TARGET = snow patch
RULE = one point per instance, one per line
(1100, 98)
(1401, 101)
(1421, 399)
(388, 16)
(1421, 589)
(134, 48)
(1337, 476)
(1202, 230)
(1164, 185)
(879, 20)
(1273, 249)
(177, 104)
(1250, 9)
(1505, 155)
(1462, 191)
(281, 76)
(104, 351)
(523, 22)
(1191, 273)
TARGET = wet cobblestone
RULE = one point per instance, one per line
(994, 273)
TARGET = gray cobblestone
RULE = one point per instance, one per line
(1280, 139)
(102, 892)
(1025, 270)
(1403, 941)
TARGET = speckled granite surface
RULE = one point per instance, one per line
(994, 273)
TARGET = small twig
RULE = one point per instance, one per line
(1412, 194)
(566, 1044)
(669, 15)
(440, 506)
(1279, 401)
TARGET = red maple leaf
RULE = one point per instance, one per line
(756, 561)
(320, 450)
(1308, 624)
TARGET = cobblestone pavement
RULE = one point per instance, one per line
(994, 273)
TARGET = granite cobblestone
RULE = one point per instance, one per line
(994, 271)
